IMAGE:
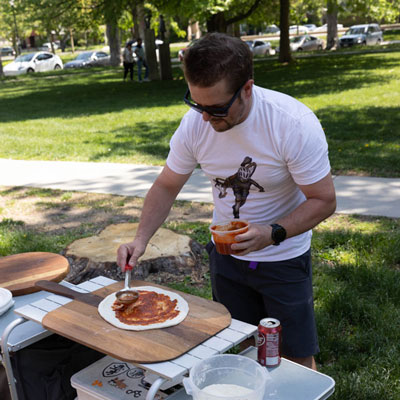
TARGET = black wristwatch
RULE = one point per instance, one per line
(278, 234)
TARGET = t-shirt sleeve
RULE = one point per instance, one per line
(306, 151)
(181, 158)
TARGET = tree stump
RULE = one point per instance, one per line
(169, 257)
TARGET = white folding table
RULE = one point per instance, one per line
(19, 332)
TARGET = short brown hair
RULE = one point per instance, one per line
(217, 56)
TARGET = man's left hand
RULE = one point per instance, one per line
(256, 238)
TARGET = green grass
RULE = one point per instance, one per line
(94, 116)
(391, 34)
(356, 266)
(16, 238)
(357, 301)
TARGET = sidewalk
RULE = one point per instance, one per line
(355, 195)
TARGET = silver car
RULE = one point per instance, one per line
(259, 47)
(89, 59)
(306, 43)
(367, 34)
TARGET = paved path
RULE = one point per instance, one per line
(358, 195)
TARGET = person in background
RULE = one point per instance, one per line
(266, 156)
(141, 61)
(128, 61)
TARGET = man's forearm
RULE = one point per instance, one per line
(158, 202)
(155, 210)
(308, 215)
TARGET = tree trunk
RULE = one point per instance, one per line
(165, 61)
(331, 17)
(113, 42)
(169, 257)
(1, 68)
(135, 28)
(71, 35)
(151, 56)
(217, 23)
(141, 18)
(284, 47)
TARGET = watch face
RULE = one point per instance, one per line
(278, 233)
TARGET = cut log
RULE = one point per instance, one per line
(169, 257)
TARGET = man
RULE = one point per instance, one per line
(267, 158)
(141, 61)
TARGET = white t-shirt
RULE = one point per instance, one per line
(285, 140)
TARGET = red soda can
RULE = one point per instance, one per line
(269, 342)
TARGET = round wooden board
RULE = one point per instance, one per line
(19, 272)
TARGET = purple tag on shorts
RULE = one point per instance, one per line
(253, 264)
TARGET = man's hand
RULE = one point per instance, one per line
(256, 238)
(129, 253)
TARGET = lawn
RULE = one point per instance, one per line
(94, 116)
(356, 263)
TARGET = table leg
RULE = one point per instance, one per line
(154, 388)
(6, 356)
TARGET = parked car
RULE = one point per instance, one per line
(272, 29)
(47, 46)
(296, 29)
(259, 47)
(33, 62)
(306, 43)
(324, 28)
(310, 27)
(7, 51)
(366, 34)
(89, 59)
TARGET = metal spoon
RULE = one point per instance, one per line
(127, 295)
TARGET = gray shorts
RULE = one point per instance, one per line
(281, 290)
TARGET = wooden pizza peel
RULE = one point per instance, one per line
(80, 321)
(20, 272)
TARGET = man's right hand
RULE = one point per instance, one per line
(129, 253)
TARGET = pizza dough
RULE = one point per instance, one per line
(106, 311)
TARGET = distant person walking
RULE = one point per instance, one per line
(127, 57)
(141, 61)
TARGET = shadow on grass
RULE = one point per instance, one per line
(140, 138)
(71, 96)
(319, 75)
(352, 147)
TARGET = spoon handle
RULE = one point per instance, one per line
(128, 270)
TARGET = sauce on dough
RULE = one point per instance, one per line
(150, 308)
(226, 390)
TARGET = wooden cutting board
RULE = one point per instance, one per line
(82, 323)
(19, 272)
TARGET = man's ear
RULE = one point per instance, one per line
(248, 88)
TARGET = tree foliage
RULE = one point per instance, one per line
(387, 11)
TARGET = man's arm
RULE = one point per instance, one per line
(320, 203)
(156, 207)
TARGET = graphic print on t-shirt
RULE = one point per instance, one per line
(240, 184)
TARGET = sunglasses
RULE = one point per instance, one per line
(213, 111)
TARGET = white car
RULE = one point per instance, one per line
(296, 29)
(33, 62)
(324, 28)
(47, 46)
(310, 27)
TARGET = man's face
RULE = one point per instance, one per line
(219, 96)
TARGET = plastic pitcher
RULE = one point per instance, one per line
(227, 372)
